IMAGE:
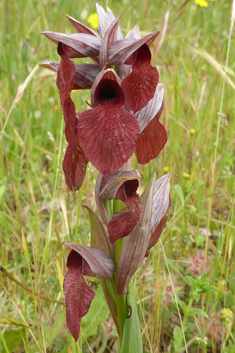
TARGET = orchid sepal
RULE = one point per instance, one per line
(85, 45)
(101, 265)
(146, 114)
(80, 27)
(135, 245)
(99, 236)
(120, 51)
(110, 186)
(105, 20)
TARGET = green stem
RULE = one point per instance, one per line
(121, 317)
(121, 302)
(122, 310)
(185, 321)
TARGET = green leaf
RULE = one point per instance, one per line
(179, 192)
(178, 339)
(12, 339)
(196, 311)
(182, 305)
(200, 183)
(177, 333)
(132, 341)
(2, 190)
(230, 348)
(199, 286)
(200, 239)
(96, 315)
(50, 333)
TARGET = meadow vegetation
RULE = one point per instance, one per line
(178, 310)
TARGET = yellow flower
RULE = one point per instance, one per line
(202, 3)
(170, 86)
(186, 176)
(192, 131)
(166, 169)
(203, 169)
(227, 314)
(93, 20)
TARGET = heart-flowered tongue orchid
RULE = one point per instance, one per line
(108, 134)
(123, 119)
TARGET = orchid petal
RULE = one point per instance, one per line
(85, 73)
(78, 295)
(156, 234)
(86, 45)
(135, 245)
(145, 115)
(75, 161)
(161, 204)
(161, 201)
(110, 186)
(81, 28)
(99, 240)
(150, 142)
(124, 222)
(109, 38)
(105, 20)
(99, 237)
(108, 133)
(134, 33)
(121, 50)
(140, 85)
(50, 64)
(101, 265)
(74, 166)
(65, 84)
(108, 74)
(123, 70)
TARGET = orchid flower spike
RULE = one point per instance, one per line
(126, 101)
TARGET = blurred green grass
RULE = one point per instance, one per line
(38, 213)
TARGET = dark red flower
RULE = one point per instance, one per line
(75, 161)
(151, 140)
(155, 203)
(108, 133)
(123, 223)
(78, 295)
(120, 185)
(82, 261)
(140, 85)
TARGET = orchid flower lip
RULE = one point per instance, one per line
(108, 90)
